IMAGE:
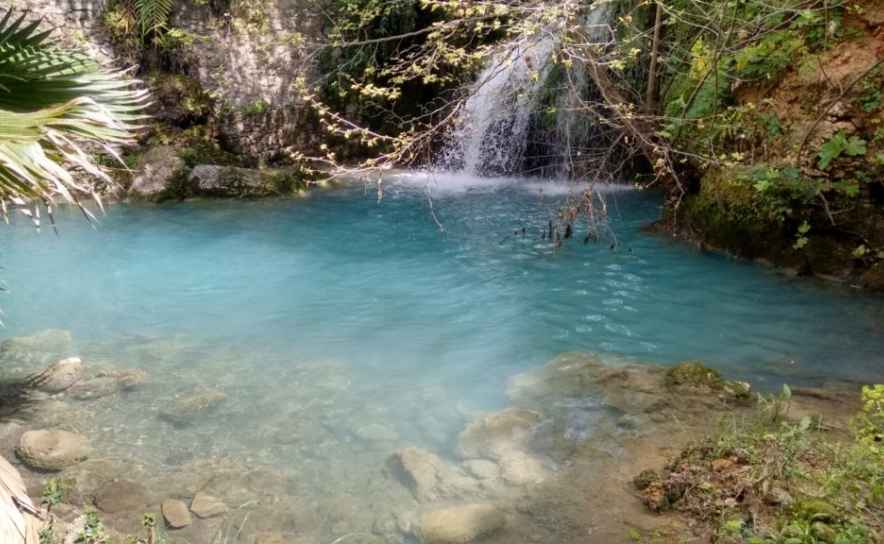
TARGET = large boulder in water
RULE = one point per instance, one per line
(159, 171)
(417, 468)
(505, 436)
(230, 181)
(59, 376)
(207, 506)
(52, 449)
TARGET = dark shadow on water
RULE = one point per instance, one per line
(14, 397)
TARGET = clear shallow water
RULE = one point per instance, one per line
(317, 318)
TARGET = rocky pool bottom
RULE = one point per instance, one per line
(554, 466)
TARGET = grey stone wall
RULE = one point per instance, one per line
(249, 63)
(75, 22)
(246, 63)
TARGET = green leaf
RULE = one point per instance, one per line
(855, 146)
(838, 144)
(804, 425)
(831, 150)
(787, 393)
(860, 251)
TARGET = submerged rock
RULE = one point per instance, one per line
(122, 496)
(429, 477)
(191, 404)
(627, 386)
(57, 414)
(377, 433)
(108, 383)
(568, 375)
(522, 469)
(45, 342)
(207, 506)
(459, 524)
(175, 513)
(578, 388)
(80, 483)
(59, 376)
(418, 468)
(497, 434)
(52, 449)
(483, 469)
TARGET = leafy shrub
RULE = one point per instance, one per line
(868, 424)
(838, 144)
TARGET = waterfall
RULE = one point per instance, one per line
(497, 122)
(492, 133)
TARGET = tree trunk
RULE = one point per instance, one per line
(650, 105)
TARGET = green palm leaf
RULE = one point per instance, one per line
(56, 106)
(14, 33)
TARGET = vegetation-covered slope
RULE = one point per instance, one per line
(798, 144)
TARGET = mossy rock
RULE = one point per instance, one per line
(740, 391)
(68, 490)
(728, 214)
(644, 479)
(697, 376)
(160, 171)
(694, 374)
(824, 532)
(818, 510)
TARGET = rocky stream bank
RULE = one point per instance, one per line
(554, 466)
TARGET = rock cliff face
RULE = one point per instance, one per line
(249, 65)
(242, 65)
(75, 22)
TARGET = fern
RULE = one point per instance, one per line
(152, 15)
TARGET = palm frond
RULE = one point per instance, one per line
(19, 521)
(15, 34)
(35, 77)
(56, 106)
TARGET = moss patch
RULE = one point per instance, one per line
(770, 479)
(694, 374)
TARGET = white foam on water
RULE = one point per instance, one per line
(443, 183)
